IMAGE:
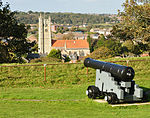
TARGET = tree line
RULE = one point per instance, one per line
(31, 17)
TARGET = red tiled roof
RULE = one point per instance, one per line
(70, 43)
(32, 38)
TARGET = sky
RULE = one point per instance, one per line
(74, 6)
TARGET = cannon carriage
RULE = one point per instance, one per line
(113, 82)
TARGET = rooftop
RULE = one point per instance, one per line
(70, 43)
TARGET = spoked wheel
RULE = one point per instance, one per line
(111, 98)
(92, 92)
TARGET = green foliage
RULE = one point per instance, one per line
(64, 18)
(100, 42)
(12, 36)
(129, 44)
(101, 53)
(143, 1)
(114, 46)
(45, 60)
(89, 39)
(62, 29)
(135, 22)
(67, 59)
(134, 26)
(55, 54)
(34, 47)
(135, 49)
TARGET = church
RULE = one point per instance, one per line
(71, 48)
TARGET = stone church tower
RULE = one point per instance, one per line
(44, 42)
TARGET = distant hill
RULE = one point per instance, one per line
(65, 18)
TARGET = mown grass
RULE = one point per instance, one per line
(63, 94)
(76, 92)
(71, 109)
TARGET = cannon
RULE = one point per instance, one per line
(113, 82)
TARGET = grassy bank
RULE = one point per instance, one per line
(64, 74)
(25, 94)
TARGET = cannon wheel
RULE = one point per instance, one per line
(92, 92)
(111, 98)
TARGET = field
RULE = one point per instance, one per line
(25, 94)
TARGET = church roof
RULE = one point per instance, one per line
(70, 43)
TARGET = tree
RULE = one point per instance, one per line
(69, 36)
(12, 36)
(131, 48)
(129, 44)
(113, 45)
(55, 54)
(135, 22)
(101, 41)
(143, 1)
(89, 39)
(101, 53)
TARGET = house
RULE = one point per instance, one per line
(58, 36)
(32, 38)
(54, 28)
(105, 32)
(145, 54)
(76, 35)
(79, 35)
(94, 36)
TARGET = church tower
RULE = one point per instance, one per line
(44, 42)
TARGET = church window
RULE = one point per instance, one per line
(46, 30)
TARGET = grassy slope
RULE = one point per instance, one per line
(62, 84)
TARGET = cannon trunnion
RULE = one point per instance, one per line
(113, 82)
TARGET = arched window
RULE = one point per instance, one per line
(46, 30)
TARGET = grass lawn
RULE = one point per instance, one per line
(23, 94)
(74, 104)
(62, 103)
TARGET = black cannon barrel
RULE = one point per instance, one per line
(120, 72)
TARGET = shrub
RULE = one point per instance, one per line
(45, 60)
(55, 54)
(101, 53)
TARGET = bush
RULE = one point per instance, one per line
(67, 59)
(45, 60)
(101, 53)
(55, 54)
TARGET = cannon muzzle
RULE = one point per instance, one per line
(119, 72)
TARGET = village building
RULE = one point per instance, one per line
(54, 28)
(77, 35)
(94, 36)
(32, 38)
(78, 48)
(105, 32)
(71, 48)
